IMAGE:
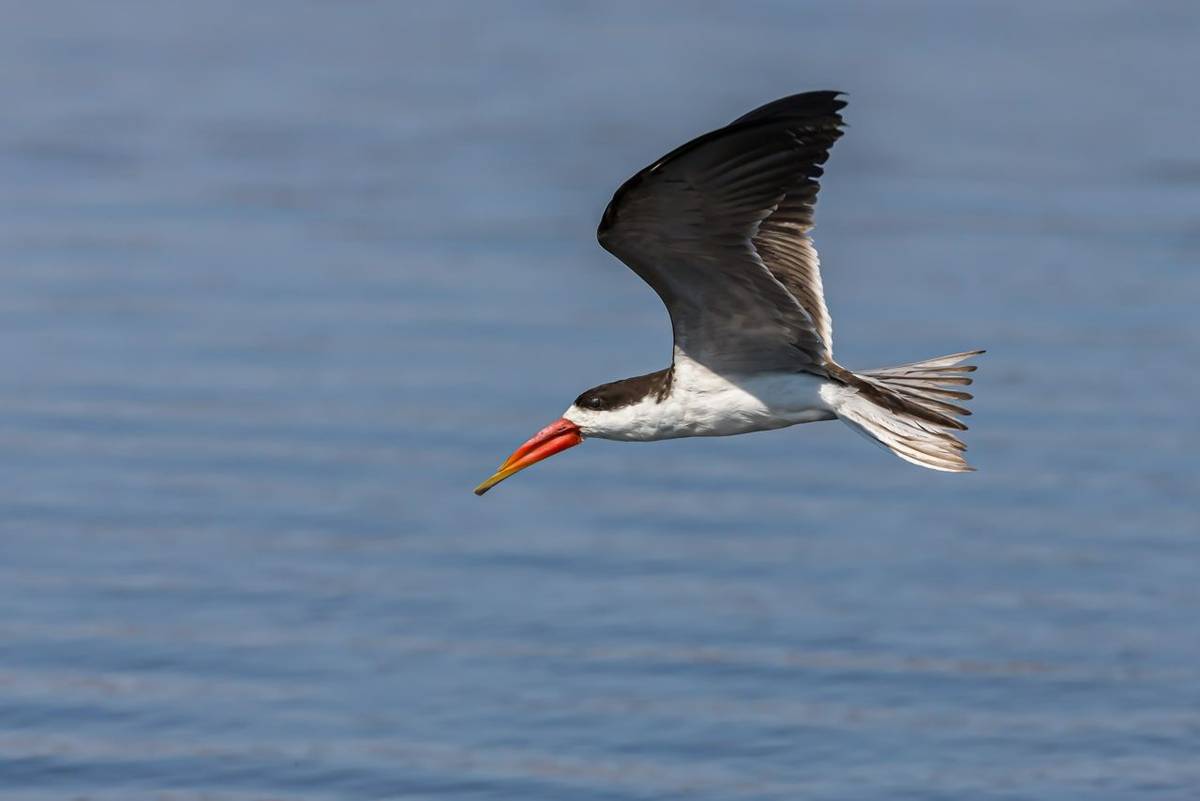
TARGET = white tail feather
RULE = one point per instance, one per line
(911, 409)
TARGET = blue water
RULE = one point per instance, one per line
(282, 281)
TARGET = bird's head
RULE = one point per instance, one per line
(605, 411)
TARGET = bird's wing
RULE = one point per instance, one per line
(719, 229)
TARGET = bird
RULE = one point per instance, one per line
(720, 229)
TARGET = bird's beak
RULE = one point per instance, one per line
(558, 436)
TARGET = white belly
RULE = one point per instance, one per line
(704, 404)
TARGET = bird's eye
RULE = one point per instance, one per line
(595, 402)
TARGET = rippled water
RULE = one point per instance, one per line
(283, 281)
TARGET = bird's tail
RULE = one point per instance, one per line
(910, 409)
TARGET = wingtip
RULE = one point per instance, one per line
(801, 104)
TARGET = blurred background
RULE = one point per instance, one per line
(283, 281)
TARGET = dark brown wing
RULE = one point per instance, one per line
(719, 229)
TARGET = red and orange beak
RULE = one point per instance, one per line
(558, 436)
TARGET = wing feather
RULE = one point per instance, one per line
(719, 229)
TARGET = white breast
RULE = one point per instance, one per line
(704, 404)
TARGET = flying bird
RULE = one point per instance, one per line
(719, 228)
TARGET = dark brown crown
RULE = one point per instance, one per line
(626, 392)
